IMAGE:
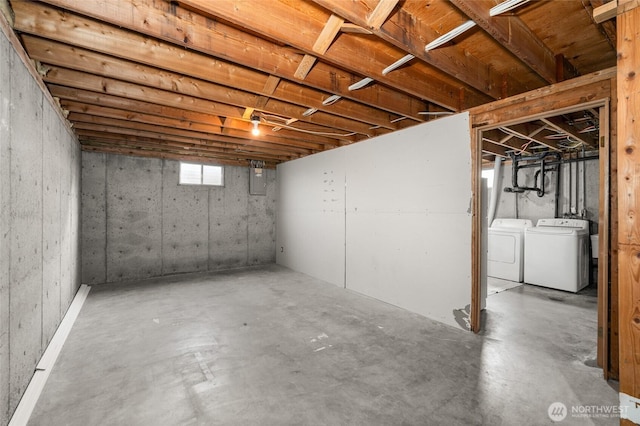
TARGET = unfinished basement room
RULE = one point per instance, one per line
(319, 212)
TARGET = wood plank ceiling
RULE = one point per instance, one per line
(183, 79)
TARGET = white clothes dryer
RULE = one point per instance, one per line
(506, 248)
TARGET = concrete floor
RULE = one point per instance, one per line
(268, 346)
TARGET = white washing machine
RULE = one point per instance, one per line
(506, 248)
(556, 254)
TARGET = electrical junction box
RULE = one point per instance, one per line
(257, 181)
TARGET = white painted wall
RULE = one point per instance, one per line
(389, 217)
(310, 218)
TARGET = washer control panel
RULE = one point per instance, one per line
(564, 223)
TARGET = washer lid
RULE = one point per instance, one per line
(511, 223)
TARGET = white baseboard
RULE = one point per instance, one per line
(43, 369)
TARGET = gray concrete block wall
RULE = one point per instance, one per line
(184, 242)
(261, 228)
(5, 195)
(94, 226)
(134, 218)
(51, 229)
(138, 222)
(228, 236)
(25, 305)
(39, 198)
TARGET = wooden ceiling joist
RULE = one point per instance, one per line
(178, 156)
(88, 122)
(221, 41)
(326, 37)
(519, 132)
(558, 124)
(376, 18)
(248, 15)
(491, 147)
(162, 77)
(412, 39)
(234, 127)
(132, 141)
(328, 34)
(66, 94)
(514, 35)
(219, 89)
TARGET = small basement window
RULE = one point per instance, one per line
(201, 174)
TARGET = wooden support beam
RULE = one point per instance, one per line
(194, 64)
(605, 12)
(111, 139)
(516, 37)
(221, 42)
(531, 136)
(235, 127)
(326, 37)
(608, 27)
(628, 83)
(541, 102)
(376, 18)
(613, 8)
(492, 147)
(411, 39)
(248, 112)
(558, 124)
(85, 121)
(201, 158)
(250, 15)
(305, 67)
(67, 94)
(271, 85)
(328, 34)
(348, 27)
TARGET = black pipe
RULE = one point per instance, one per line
(516, 159)
(553, 163)
(537, 173)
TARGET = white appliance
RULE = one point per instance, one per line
(556, 254)
(506, 248)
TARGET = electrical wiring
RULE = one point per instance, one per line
(312, 132)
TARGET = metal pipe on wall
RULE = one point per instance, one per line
(570, 186)
(577, 209)
(584, 187)
(557, 205)
(497, 169)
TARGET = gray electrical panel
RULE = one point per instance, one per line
(257, 181)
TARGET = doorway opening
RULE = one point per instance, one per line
(549, 174)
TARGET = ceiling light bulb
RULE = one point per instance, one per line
(255, 121)
(449, 36)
